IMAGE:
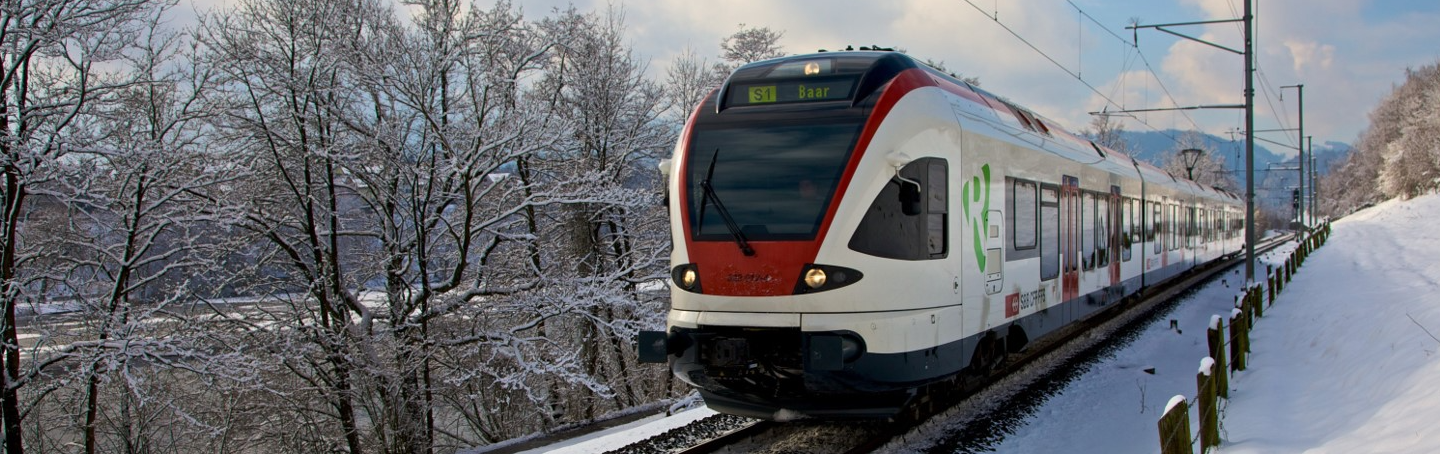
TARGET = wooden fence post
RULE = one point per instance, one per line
(1215, 336)
(1270, 281)
(1289, 267)
(1258, 306)
(1175, 427)
(1206, 404)
(1237, 351)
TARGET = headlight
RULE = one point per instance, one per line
(819, 278)
(815, 278)
(687, 277)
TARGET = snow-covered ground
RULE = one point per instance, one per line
(1347, 360)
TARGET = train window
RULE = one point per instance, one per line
(937, 194)
(1127, 237)
(1102, 230)
(1087, 232)
(1049, 232)
(1192, 226)
(1172, 225)
(776, 180)
(1156, 225)
(888, 231)
(1023, 215)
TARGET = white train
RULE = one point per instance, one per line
(849, 227)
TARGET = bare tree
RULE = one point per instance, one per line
(1108, 133)
(281, 77)
(1208, 168)
(750, 44)
(52, 54)
(616, 243)
(688, 80)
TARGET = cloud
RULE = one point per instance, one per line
(1310, 53)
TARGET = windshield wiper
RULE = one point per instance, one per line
(710, 196)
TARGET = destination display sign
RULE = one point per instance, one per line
(774, 92)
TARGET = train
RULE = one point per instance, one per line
(850, 228)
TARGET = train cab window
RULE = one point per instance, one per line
(1049, 232)
(1087, 231)
(1023, 215)
(909, 219)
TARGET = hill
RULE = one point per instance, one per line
(1277, 174)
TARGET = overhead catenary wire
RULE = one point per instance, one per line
(1266, 87)
(1109, 101)
(1136, 46)
(1129, 60)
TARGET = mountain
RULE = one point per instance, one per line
(1276, 175)
(1157, 146)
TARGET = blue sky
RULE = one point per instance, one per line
(1348, 53)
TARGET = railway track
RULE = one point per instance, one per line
(757, 436)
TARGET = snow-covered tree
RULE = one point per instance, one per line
(55, 55)
(751, 44)
(1209, 168)
(1108, 133)
(1398, 155)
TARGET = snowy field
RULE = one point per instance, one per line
(1347, 361)
(1344, 362)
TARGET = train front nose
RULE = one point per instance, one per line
(780, 373)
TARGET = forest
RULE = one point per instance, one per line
(1397, 155)
(329, 226)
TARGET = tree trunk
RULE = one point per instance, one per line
(9, 392)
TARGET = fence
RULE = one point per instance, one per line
(1212, 383)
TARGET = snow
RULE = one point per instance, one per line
(621, 436)
(1337, 364)
(1207, 366)
(1344, 361)
(1173, 402)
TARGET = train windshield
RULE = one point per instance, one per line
(775, 179)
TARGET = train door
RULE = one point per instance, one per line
(1070, 237)
(1113, 231)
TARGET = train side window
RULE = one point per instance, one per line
(1049, 232)
(936, 210)
(1127, 237)
(1156, 225)
(1087, 231)
(1023, 215)
(1173, 226)
(1102, 230)
(890, 230)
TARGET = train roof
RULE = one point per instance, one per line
(869, 70)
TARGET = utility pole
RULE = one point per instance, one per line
(1300, 212)
(1314, 172)
(1249, 106)
(1249, 147)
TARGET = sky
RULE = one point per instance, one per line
(1348, 54)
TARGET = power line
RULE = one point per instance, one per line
(1266, 86)
(996, 18)
(1141, 54)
